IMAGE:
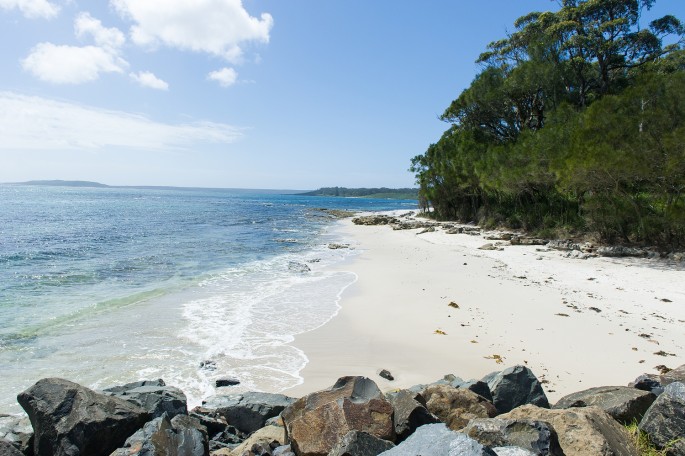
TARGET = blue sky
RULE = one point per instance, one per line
(293, 94)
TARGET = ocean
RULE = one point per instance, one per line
(105, 286)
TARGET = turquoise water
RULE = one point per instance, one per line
(108, 285)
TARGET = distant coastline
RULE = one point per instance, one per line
(90, 184)
(343, 192)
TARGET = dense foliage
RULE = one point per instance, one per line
(575, 123)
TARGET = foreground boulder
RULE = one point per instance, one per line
(664, 422)
(317, 422)
(410, 413)
(438, 440)
(69, 419)
(182, 435)
(153, 396)
(515, 386)
(623, 403)
(248, 412)
(537, 437)
(455, 406)
(581, 431)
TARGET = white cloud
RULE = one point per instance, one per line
(71, 64)
(61, 64)
(35, 123)
(110, 38)
(226, 77)
(32, 8)
(217, 27)
(147, 79)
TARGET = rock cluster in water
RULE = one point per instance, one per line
(504, 414)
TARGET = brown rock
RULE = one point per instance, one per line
(582, 431)
(456, 406)
(317, 422)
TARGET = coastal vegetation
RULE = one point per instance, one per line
(575, 124)
(383, 192)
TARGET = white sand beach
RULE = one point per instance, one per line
(577, 323)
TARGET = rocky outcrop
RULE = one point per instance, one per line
(317, 422)
(410, 413)
(182, 435)
(152, 395)
(438, 440)
(664, 422)
(537, 437)
(619, 251)
(623, 403)
(249, 411)
(352, 418)
(455, 406)
(370, 220)
(514, 387)
(69, 419)
(581, 431)
(358, 443)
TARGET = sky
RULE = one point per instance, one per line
(281, 94)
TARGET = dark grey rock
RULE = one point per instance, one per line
(229, 381)
(648, 382)
(438, 440)
(153, 396)
(664, 422)
(182, 435)
(210, 419)
(69, 419)
(410, 413)
(248, 411)
(386, 374)
(623, 403)
(515, 386)
(358, 443)
(18, 431)
(7, 449)
(535, 436)
(477, 386)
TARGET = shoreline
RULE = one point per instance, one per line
(577, 323)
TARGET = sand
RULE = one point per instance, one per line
(577, 323)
